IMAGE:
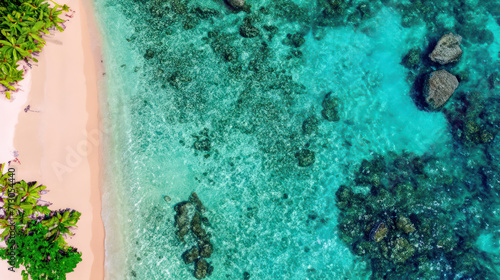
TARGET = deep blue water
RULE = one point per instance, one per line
(192, 105)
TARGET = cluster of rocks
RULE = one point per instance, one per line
(402, 226)
(439, 85)
(189, 218)
(471, 115)
(330, 113)
(467, 116)
(203, 142)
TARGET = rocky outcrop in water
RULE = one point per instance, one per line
(412, 59)
(190, 255)
(247, 30)
(202, 269)
(189, 217)
(310, 125)
(447, 49)
(181, 218)
(295, 40)
(438, 88)
(149, 54)
(306, 157)
(330, 108)
(494, 80)
(236, 4)
(203, 142)
(379, 232)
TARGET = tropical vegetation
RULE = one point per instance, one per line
(34, 234)
(22, 23)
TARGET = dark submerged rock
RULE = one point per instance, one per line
(310, 125)
(408, 243)
(438, 88)
(193, 198)
(206, 248)
(401, 250)
(198, 231)
(205, 13)
(378, 232)
(190, 255)
(179, 7)
(247, 30)
(330, 108)
(494, 80)
(306, 157)
(182, 218)
(405, 225)
(149, 54)
(202, 269)
(343, 196)
(295, 40)
(203, 144)
(412, 59)
(476, 134)
(371, 171)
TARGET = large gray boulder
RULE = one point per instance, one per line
(236, 4)
(447, 49)
(439, 87)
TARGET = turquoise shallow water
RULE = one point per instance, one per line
(178, 73)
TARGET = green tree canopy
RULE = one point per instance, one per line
(22, 24)
(35, 235)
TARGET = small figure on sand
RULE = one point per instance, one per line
(16, 160)
(28, 108)
(70, 15)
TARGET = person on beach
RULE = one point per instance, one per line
(28, 108)
(16, 160)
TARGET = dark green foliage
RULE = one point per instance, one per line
(22, 23)
(41, 255)
(34, 234)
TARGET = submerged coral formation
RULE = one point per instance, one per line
(189, 218)
(409, 223)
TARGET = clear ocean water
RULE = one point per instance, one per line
(180, 74)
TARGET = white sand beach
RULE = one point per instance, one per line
(58, 139)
